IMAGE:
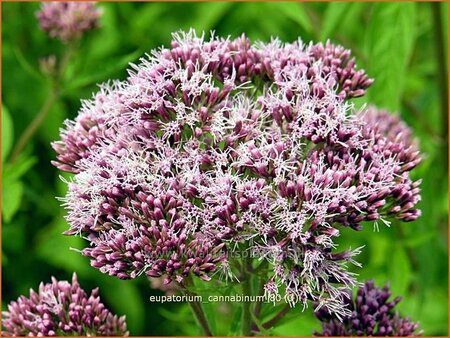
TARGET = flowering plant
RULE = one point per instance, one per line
(67, 21)
(372, 315)
(238, 163)
(61, 308)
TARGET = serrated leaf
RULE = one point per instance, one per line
(7, 133)
(12, 192)
(389, 40)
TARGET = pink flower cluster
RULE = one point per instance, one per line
(212, 149)
(68, 20)
(61, 308)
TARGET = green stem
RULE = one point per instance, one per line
(34, 125)
(277, 318)
(246, 290)
(258, 306)
(43, 112)
(196, 308)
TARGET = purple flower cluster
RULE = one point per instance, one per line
(68, 20)
(394, 138)
(61, 308)
(372, 315)
(215, 148)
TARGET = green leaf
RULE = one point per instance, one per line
(103, 71)
(55, 248)
(210, 313)
(12, 187)
(259, 325)
(129, 294)
(293, 314)
(333, 16)
(433, 314)
(170, 315)
(421, 238)
(13, 172)
(235, 328)
(106, 40)
(389, 39)
(353, 18)
(266, 27)
(180, 316)
(212, 12)
(26, 66)
(12, 192)
(15, 230)
(145, 17)
(53, 122)
(400, 271)
(7, 133)
(302, 324)
(379, 249)
(296, 12)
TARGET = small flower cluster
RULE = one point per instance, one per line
(67, 21)
(372, 315)
(61, 308)
(214, 147)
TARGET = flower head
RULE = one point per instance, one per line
(215, 147)
(372, 315)
(61, 308)
(68, 20)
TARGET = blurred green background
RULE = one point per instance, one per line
(402, 45)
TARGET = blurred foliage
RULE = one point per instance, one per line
(397, 43)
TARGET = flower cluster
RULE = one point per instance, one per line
(68, 20)
(61, 308)
(372, 315)
(393, 138)
(212, 148)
